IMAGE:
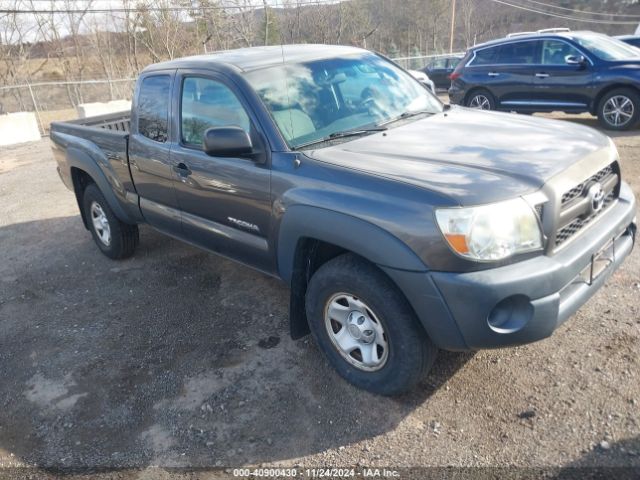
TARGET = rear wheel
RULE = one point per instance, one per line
(481, 100)
(619, 109)
(366, 328)
(114, 238)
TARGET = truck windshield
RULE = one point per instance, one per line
(607, 48)
(318, 100)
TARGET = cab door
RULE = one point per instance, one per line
(225, 202)
(150, 151)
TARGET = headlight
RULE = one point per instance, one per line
(491, 232)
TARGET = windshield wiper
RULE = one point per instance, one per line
(407, 115)
(357, 131)
(345, 133)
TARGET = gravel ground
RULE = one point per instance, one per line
(178, 358)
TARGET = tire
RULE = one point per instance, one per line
(404, 352)
(620, 105)
(116, 239)
(481, 99)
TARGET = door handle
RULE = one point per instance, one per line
(182, 170)
(493, 74)
(542, 75)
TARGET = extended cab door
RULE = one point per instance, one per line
(225, 202)
(149, 151)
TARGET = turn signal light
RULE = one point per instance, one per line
(458, 242)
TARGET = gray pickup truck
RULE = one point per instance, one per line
(401, 226)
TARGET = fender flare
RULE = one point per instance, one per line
(80, 159)
(358, 236)
(403, 267)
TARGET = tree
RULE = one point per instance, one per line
(270, 26)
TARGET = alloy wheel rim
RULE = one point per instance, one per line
(100, 223)
(618, 110)
(356, 332)
(481, 102)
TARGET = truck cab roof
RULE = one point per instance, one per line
(247, 59)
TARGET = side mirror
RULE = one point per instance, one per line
(575, 60)
(229, 141)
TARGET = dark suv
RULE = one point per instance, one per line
(633, 40)
(544, 71)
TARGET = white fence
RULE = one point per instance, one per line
(56, 101)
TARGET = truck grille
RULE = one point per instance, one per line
(576, 210)
(577, 191)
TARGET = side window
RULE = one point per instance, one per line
(486, 56)
(555, 51)
(517, 53)
(453, 63)
(207, 103)
(438, 63)
(153, 107)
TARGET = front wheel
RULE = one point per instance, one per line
(366, 328)
(114, 238)
(619, 109)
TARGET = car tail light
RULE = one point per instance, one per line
(454, 75)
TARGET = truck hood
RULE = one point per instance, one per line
(471, 156)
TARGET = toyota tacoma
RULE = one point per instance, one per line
(401, 225)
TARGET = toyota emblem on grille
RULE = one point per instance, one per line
(596, 196)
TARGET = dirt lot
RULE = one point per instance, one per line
(180, 358)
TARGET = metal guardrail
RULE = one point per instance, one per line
(70, 82)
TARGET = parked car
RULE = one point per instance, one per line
(440, 68)
(401, 226)
(633, 40)
(424, 79)
(573, 72)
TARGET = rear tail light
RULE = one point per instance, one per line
(454, 75)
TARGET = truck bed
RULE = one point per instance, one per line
(119, 121)
(104, 139)
(108, 132)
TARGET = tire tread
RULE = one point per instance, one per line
(414, 355)
(124, 237)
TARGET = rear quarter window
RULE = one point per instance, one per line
(486, 56)
(153, 107)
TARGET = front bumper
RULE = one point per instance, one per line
(526, 301)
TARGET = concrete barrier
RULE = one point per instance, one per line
(99, 108)
(18, 127)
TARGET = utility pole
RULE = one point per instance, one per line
(266, 22)
(453, 24)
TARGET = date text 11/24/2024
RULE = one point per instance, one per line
(315, 473)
